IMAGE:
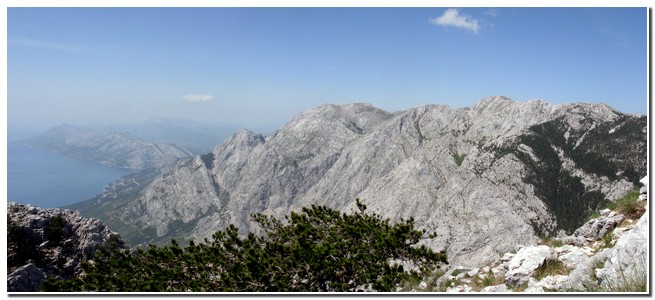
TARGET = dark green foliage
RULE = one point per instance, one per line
(20, 247)
(564, 194)
(629, 205)
(623, 151)
(54, 231)
(208, 159)
(595, 150)
(317, 249)
(459, 158)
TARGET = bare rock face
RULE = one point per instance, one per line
(485, 178)
(45, 243)
(628, 260)
(595, 229)
(25, 279)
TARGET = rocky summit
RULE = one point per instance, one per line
(486, 179)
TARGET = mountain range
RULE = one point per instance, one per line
(486, 179)
(156, 143)
(194, 136)
(109, 148)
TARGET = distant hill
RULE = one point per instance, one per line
(109, 148)
(194, 136)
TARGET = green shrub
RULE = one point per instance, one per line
(607, 240)
(54, 230)
(459, 158)
(552, 242)
(315, 250)
(629, 205)
(550, 267)
(488, 280)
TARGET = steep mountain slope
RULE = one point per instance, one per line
(114, 149)
(485, 178)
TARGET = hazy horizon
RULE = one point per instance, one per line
(259, 67)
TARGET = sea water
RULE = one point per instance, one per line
(52, 180)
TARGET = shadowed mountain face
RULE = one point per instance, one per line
(484, 178)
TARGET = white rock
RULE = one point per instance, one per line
(573, 256)
(525, 262)
(473, 272)
(507, 256)
(534, 289)
(629, 257)
(501, 288)
(552, 282)
(580, 276)
(498, 270)
(574, 240)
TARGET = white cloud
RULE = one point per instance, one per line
(492, 12)
(452, 17)
(198, 98)
(41, 44)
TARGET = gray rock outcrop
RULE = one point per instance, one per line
(45, 243)
(25, 279)
(629, 257)
(595, 229)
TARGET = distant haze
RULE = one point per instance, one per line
(259, 67)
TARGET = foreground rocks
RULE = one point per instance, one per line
(629, 258)
(605, 254)
(44, 243)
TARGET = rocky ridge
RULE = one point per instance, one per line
(46, 243)
(485, 179)
(108, 148)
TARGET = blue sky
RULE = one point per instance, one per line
(262, 66)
